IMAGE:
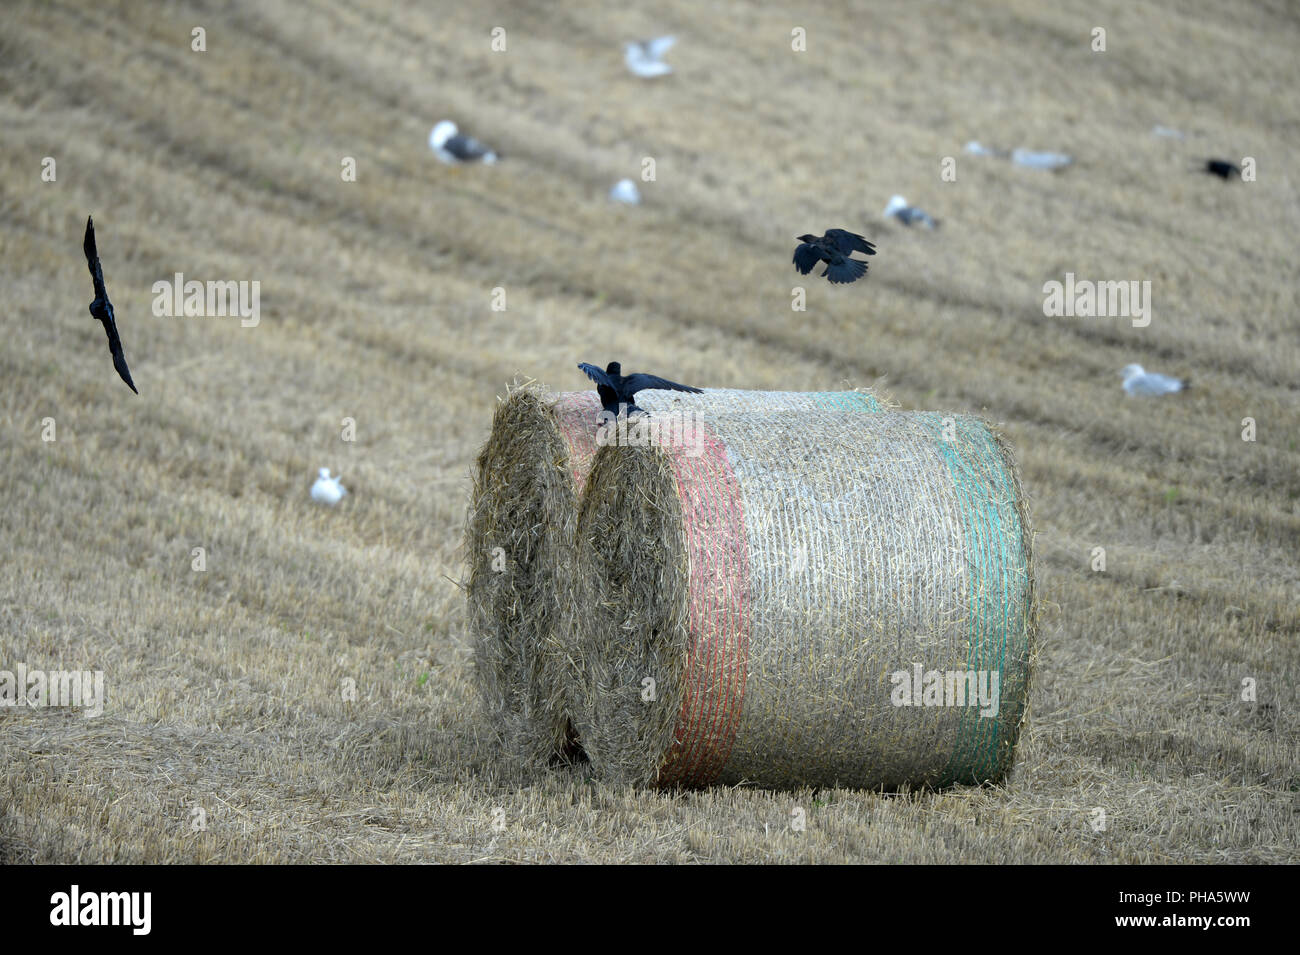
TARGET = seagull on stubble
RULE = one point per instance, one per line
(455, 148)
(899, 209)
(1139, 381)
(645, 58)
(328, 490)
(1033, 158)
(626, 192)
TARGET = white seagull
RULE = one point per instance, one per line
(900, 210)
(1138, 381)
(453, 148)
(1022, 157)
(1040, 160)
(327, 489)
(625, 191)
(645, 58)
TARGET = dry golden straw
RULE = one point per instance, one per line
(755, 613)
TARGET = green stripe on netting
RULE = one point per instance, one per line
(996, 578)
(845, 401)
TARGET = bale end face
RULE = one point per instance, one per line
(518, 543)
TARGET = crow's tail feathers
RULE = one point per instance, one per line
(850, 270)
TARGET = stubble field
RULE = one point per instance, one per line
(224, 686)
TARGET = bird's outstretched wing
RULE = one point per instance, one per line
(92, 259)
(805, 257)
(609, 399)
(659, 46)
(595, 374)
(119, 359)
(639, 382)
(849, 242)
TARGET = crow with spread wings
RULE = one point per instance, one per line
(834, 248)
(615, 388)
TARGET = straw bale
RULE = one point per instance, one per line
(753, 613)
(519, 540)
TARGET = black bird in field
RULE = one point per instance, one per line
(833, 248)
(1221, 168)
(102, 308)
(615, 388)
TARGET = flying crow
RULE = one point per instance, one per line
(102, 308)
(833, 248)
(1138, 381)
(616, 389)
(453, 148)
(1221, 168)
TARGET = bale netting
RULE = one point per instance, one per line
(519, 540)
(814, 600)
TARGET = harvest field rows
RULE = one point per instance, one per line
(224, 699)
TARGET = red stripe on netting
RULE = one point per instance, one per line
(577, 414)
(717, 664)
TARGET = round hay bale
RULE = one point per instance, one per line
(756, 612)
(519, 540)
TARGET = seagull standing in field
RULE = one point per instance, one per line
(102, 308)
(1034, 159)
(616, 388)
(833, 248)
(1040, 160)
(1138, 381)
(625, 191)
(900, 210)
(327, 490)
(645, 59)
(453, 148)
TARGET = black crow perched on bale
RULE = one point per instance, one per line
(833, 248)
(102, 308)
(615, 388)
